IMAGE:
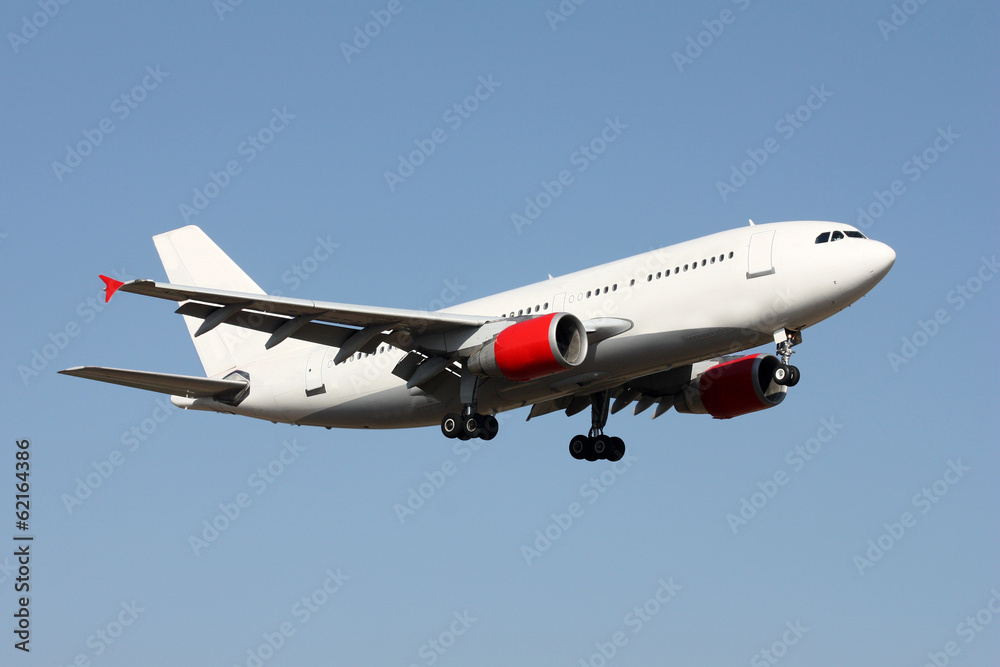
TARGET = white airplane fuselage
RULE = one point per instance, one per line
(688, 302)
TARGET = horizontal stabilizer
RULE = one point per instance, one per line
(189, 386)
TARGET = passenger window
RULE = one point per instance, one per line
(713, 259)
(685, 267)
(667, 274)
(730, 254)
(823, 238)
(659, 275)
(836, 236)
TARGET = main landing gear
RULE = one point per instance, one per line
(596, 445)
(786, 374)
(470, 424)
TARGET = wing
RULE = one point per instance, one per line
(659, 389)
(348, 327)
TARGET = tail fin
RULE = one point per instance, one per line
(191, 258)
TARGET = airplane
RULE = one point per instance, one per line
(661, 328)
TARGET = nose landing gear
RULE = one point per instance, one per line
(786, 374)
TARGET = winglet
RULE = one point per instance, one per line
(110, 287)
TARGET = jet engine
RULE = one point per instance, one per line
(733, 388)
(533, 348)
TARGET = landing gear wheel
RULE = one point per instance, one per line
(451, 425)
(793, 376)
(490, 427)
(600, 446)
(578, 447)
(472, 426)
(616, 449)
(782, 374)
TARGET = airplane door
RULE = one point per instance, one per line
(759, 262)
(314, 372)
(559, 302)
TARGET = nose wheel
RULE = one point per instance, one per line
(596, 446)
(786, 374)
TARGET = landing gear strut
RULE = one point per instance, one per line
(596, 445)
(786, 374)
(470, 424)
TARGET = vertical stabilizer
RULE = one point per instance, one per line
(191, 258)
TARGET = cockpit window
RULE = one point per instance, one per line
(836, 236)
(823, 238)
(855, 235)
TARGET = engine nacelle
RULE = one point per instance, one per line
(534, 348)
(733, 388)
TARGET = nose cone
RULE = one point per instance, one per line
(878, 259)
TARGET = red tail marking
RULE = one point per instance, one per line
(110, 287)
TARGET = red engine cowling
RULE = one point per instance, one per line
(534, 348)
(733, 388)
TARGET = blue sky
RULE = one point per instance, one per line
(262, 127)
